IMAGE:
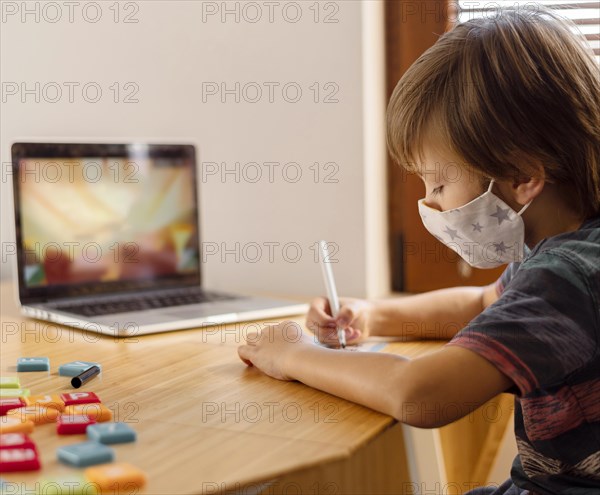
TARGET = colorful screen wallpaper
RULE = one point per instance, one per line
(89, 220)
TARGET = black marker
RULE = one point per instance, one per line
(88, 374)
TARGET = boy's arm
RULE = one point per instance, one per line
(426, 392)
(438, 314)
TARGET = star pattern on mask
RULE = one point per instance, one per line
(501, 214)
(477, 227)
(468, 253)
(500, 247)
(452, 233)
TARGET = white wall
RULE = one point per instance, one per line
(169, 53)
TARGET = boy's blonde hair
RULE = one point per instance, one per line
(503, 92)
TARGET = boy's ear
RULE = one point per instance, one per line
(527, 188)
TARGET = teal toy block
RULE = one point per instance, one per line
(75, 368)
(33, 364)
(108, 433)
(85, 454)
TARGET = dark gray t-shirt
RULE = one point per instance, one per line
(544, 333)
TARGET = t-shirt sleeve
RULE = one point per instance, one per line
(542, 328)
(506, 277)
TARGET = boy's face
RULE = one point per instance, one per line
(448, 183)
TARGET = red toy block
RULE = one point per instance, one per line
(80, 398)
(16, 441)
(10, 403)
(12, 460)
(72, 424)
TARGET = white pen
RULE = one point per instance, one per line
(334, 302)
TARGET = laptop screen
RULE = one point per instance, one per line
(96, 218)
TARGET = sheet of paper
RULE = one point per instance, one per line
(367, 347)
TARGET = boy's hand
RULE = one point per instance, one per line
(353, 317)
(271, 348)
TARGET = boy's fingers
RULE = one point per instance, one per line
(324, 326)
(321, 303)
(317, 326)
(327, 335)
(320, 309)
(346, 315)
(331, 338)
(318, 317)
(353, 334)
(245, 353)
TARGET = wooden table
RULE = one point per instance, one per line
(206, 423)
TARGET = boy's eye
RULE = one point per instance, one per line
(437, 190)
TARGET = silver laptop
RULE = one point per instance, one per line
(108, 240)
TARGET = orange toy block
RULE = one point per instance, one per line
(47, 401)
(119, 477)
(15, 424)
(39, 415)
(96, 411)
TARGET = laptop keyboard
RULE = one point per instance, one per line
(143, 302)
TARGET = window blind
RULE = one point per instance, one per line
(585, 15)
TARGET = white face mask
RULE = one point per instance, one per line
(485, 232)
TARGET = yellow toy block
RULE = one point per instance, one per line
(72, 484)
(14, 392)
(9, 382)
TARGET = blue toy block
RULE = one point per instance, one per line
(85, 454)
(33, 364)
(75, 368)
(111, 433)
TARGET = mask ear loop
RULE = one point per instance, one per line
(520, 212)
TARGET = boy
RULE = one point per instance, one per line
(514, 102)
